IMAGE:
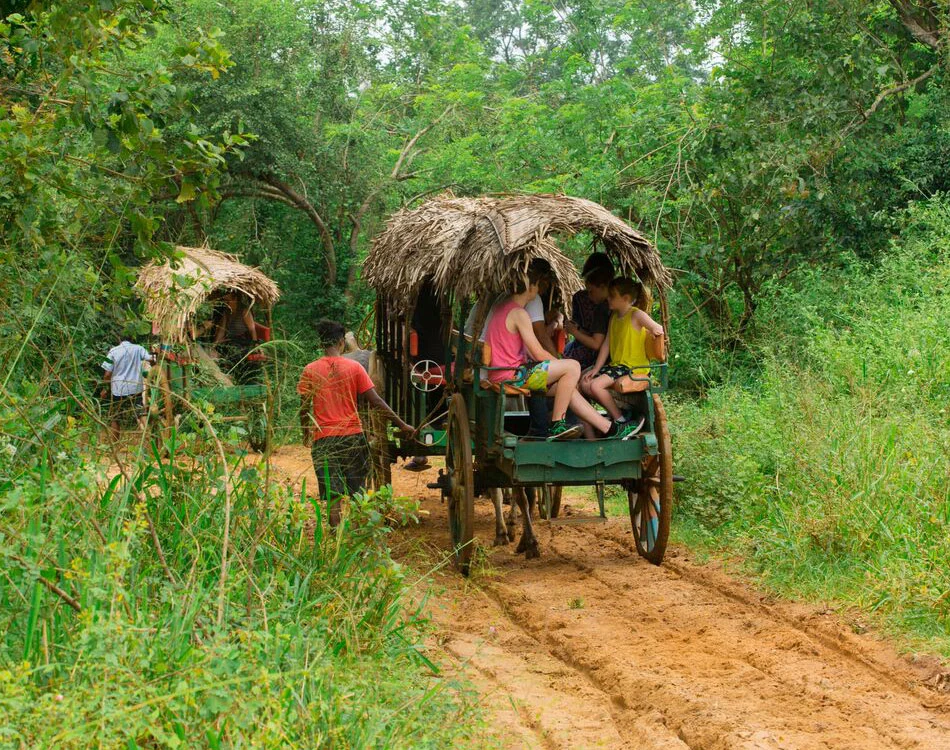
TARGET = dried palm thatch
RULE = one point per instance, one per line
(484, 245)
(173, 291)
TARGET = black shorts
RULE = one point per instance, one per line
(614, 371)
(126, 408)
(341, 464)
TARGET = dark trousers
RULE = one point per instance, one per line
(539, 415)
(237, 365)
(341, 464)
(636, 406)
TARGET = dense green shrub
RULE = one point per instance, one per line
(829, 472)
(157, 609)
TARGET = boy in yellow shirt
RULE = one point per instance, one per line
(633, 338)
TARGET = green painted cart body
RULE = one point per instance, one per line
(478, 430)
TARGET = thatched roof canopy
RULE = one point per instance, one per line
(483, 245)
(173, 291)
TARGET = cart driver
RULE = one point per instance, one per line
(510, 335)
(236, 335)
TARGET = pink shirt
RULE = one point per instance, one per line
(507, 348)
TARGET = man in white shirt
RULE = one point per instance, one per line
(124, 374)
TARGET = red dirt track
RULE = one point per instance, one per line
(593, 647)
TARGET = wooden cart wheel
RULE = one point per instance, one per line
(555, 490)
(651, 496)
(459, 492)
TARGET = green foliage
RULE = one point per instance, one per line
(829, 474)
(85, 150)
(130, 619)
(768, 149)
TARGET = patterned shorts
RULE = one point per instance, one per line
(614, 371)
(535, 376)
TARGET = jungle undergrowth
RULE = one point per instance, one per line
(825, 472)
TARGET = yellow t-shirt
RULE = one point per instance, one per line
(628, 344)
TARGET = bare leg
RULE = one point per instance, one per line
(598, 389)
(528, 543)
(501, 531)
(566, 373)
(582, 408)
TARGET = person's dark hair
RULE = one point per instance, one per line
(538, 270)
(130, 332)
(626, 287)
(599, 276)
(596, 261)
(329, 332)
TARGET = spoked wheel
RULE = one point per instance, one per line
(554, 490)
(458, 484)
(651, 496)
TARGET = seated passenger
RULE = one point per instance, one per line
(510, 336)
(589, 311)
(210, 315)
(631, 340)
(237, 334)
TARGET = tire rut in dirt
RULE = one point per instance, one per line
(894, 675)
(673, 646)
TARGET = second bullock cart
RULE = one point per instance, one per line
(177, 294)
(430, 267)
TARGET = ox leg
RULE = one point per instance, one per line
(501, 530)
(528, 543)
(512, 519)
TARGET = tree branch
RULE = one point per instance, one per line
(921, 21)
(395, 175)
(890, 91)
(307, 207)
(51, 586)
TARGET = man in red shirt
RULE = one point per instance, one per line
(329, 388)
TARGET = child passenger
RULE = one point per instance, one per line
(589, 311)
(633, 337)
(510, 336)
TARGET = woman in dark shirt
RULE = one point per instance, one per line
(589, 312)
(237, 335)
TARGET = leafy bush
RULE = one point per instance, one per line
(189, 601)
(829, 474)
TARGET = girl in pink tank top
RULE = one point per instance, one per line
(507, 348)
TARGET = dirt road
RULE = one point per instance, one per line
(592, 647)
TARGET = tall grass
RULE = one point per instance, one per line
(828, 472)
(129, 619)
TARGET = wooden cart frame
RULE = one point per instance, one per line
(463, 249)
(173, 292)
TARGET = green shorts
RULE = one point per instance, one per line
(535, 376)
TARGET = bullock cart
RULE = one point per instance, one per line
(185, 298)
(430, 267)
